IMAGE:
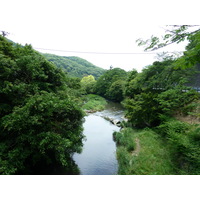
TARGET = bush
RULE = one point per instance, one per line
(184, 145)
(125, 138)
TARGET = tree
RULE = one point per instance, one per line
(191, 56)
(116, 90)
(75, 66)
(157, 90)
(88, 84)
(40, 123)
(105, 81)
(143, 110)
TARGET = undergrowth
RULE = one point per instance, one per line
(152, 156)
(184, 142)
(94, 102)
(171, 148)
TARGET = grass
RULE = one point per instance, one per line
(152, 157)
(94, 103)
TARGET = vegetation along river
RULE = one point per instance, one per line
(99, 151)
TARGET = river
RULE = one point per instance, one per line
(98, 156)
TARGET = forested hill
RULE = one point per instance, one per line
(75, 66)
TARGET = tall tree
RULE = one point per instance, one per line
(106, 81)
(40, 123)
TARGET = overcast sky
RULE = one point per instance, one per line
(106, 26)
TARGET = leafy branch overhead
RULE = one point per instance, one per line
(4, 33)
(174, 34)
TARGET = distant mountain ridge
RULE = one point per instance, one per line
(75, 66)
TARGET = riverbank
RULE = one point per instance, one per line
(93, 103)
(168, 149)
(142, 152)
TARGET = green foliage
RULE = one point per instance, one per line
(149, 157)
(74, 82)
(171, 125)
(88, 84)
(124, 138)
(41, 126)
(176, 99)
(44, 124)
(192, 109)
(156, 78)
(184, 145)
(110, 81)
(94, 103)
(129, 86)
(171, 148)
(174, 34)
(116, 91)
(26, 74)
(75, 66)
(123, 158)
(191, 57)
(158, 89)
(143, 110)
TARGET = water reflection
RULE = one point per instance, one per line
(99, 151)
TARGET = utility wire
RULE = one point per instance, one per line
(88, 52)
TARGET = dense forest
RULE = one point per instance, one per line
(42, 109)
(75, 66)
(40, 121)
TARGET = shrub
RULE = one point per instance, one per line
(125, 138)
(184, 145)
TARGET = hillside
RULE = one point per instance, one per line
(75, 66)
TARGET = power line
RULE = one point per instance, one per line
(88, 52)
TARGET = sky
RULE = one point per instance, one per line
(101, 26)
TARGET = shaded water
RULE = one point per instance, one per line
(99, 151)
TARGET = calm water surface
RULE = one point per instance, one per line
(99, 151)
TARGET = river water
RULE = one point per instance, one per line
(99, 150)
